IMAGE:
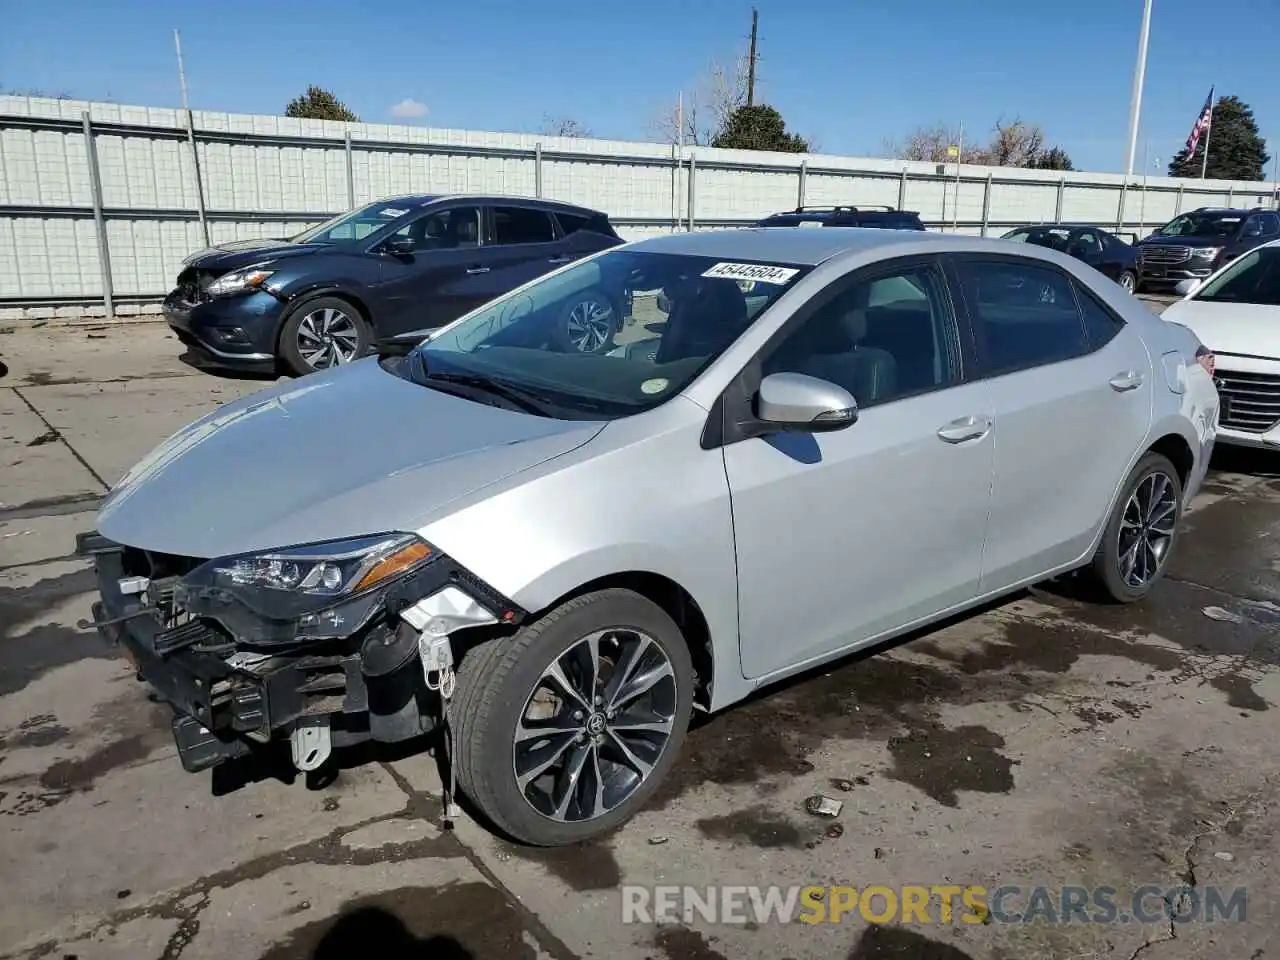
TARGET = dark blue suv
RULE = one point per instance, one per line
(391, 270)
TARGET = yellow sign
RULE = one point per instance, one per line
(953, 151)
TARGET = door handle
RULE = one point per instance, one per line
(1129, 380)
(966, 428)
(477, 269)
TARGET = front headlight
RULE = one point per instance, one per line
(294, 582)
(239, 281)
(1206, 253)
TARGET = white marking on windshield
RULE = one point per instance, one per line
(764, 273)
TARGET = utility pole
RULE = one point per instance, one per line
(751, 59)
(1139, 75)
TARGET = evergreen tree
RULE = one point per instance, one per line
(1236, 148)
(319, 104)
(758, 127)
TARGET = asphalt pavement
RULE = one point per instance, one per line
(1042, 742)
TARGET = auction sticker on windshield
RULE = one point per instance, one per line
(762, 272)
(392, 212)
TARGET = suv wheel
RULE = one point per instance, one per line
(322, 333)
(588, 323)
(1129, 281)
(1141, 534)
(564, 731)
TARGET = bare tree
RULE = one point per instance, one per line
(932, 144)
(1015, 144)
(562, 127)
(707, 107)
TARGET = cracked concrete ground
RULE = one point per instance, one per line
(1042, 742)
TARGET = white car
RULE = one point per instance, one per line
(1236, 314)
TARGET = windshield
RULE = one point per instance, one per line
(1254, 278)
(354, 224)
(609, 337)
(1201, 225)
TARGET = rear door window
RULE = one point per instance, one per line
(521, 225)
(1024, 314)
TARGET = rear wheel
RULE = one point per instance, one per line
(564, 731)
(1142, 531)
(321, 333)
(587, 324)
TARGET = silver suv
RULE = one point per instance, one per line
(828, 438)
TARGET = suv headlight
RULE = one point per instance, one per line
(239, 281)
(293, 582)
(1206, 253)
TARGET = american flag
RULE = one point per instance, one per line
(1201, 126)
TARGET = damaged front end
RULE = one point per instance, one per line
(326, 644)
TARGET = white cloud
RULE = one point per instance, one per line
(409, 107)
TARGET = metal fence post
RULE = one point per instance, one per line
(1178, 209)
(351, 175)
(537, 169)
(902, 190)
(1124, 189)
(804, 172)
(1231, 194)
(1057, 209)
(99, 221)
(986, 204)
(693, 170)
(195, 161)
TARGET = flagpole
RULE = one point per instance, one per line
(1139, 75)
(1204, 161)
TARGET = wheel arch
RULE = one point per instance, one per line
(677, 603)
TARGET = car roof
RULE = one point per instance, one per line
(422, 199)
(801, 247)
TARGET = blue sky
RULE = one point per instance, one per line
(850, 73)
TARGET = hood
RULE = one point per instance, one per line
(342, 453)
(1242, 328)
(242, 253)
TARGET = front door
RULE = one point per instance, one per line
(842, 536)
(1072, 388)
(427, 287)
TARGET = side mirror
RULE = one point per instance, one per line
(1186, 287)
(796, 401)
(399, 246)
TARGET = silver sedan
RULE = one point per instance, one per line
(819, 440)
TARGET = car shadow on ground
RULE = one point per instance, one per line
(226, 373)
(353, 934)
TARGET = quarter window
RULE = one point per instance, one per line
(882, 339)
(1100, 324)
(1024, 315)
(1270, 224)
(521, 225)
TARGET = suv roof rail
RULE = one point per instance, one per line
(845, 208)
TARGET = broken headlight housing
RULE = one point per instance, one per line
(327, 589)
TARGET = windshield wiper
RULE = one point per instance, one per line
(524, 399)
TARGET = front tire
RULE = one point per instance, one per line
(323, 332)
(563, 732)
(1142, 531)
(1129, 281)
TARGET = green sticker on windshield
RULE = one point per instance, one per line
(656, 385)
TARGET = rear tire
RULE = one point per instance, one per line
(1141, 533)
(501, 682)
(321, 333)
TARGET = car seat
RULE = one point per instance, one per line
(706, 316)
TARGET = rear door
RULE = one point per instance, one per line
(521, 243)
(1071, 390)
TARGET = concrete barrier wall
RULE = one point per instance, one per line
(163, 188)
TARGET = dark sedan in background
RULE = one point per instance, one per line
(1103, 251)
(394, 269)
